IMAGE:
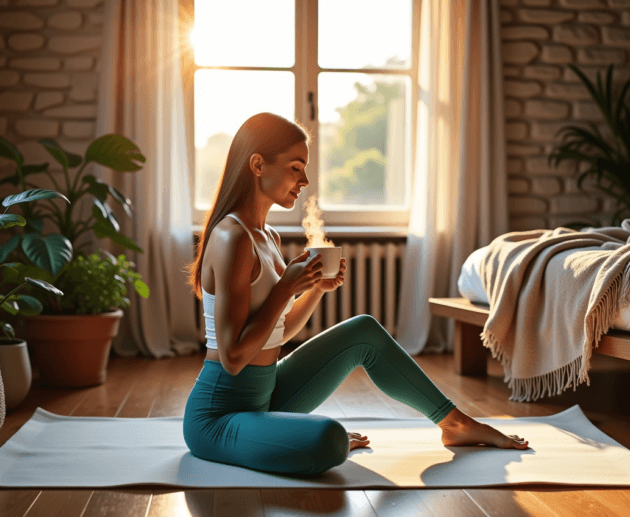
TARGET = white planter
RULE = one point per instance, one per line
(15, 367)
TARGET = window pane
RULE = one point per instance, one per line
(365, 33)
(224, 99)
(244, 33)
(364, 143)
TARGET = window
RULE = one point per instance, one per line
(346, 69)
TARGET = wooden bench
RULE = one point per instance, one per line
(471, 356)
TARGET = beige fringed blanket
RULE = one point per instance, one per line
(552, 294)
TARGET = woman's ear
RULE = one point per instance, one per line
(255, 163)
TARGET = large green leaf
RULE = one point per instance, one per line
(36, 224)
(8, 220)
(43, 286)
(8, 150)
(50, 253)
(34, 169)
(36, 273)
(66, 159)
(9, 270)
(14, 180)
(12, 270)
(10, 306)
(124, 201)
(97, 187)
(24, 304)
(103, 213)
(32, 195)
(8, 247)
(101, 231)
(115, 152)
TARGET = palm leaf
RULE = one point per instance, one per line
(621, 104)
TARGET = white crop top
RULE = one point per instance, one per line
(260, 289)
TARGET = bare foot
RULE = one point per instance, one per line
(459, 429)
(356, 440)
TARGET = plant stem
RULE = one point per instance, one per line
(82, 246)
(76, 178)
(86, 228)
(52, 178)
(67, 176)
(57, 212)
(16, 289)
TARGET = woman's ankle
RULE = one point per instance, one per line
(453, 418)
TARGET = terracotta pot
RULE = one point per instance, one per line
(72, 350)
(15, 367)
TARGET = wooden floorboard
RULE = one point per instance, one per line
(140, 387)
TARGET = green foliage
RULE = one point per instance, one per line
(356, 160)
(54, 252)
(113, 151)
(95, 284)
(608, 161)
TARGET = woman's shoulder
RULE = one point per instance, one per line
(228, 230)
(229, 245)
(228, 237)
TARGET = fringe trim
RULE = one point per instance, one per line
(596, 324)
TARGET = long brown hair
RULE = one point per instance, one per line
(266, 134)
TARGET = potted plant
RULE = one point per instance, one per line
(608, 161)
(112, 151)
(14, 359)
(72, 345)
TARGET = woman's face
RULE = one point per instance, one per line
(283, 180)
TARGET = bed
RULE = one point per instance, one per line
(471, 311)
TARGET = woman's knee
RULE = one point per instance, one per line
(330, 447)
(362, 324)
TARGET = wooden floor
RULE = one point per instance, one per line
(138, 387)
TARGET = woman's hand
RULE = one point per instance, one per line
(326, 285)
(355, 441)
(301, 274)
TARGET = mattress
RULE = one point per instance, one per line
(471, 288)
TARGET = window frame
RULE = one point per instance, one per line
(306, 74)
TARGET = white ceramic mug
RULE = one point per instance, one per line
(331, 260)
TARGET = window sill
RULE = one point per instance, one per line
(332, 232)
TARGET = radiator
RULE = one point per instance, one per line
(371, 286)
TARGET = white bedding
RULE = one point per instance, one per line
(470, 287)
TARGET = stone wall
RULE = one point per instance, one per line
(49, 69)
(542, 94)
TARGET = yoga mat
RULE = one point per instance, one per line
(58, 451)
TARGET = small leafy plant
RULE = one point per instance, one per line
(95, 284)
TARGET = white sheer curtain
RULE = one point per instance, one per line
(459, 200)
(141, 98)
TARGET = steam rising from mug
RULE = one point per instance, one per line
(312, 224)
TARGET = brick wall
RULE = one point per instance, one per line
(49, 72)
(539, 39)
(49, 68)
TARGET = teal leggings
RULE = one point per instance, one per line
(259, 418)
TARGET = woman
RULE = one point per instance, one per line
(246, 408)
